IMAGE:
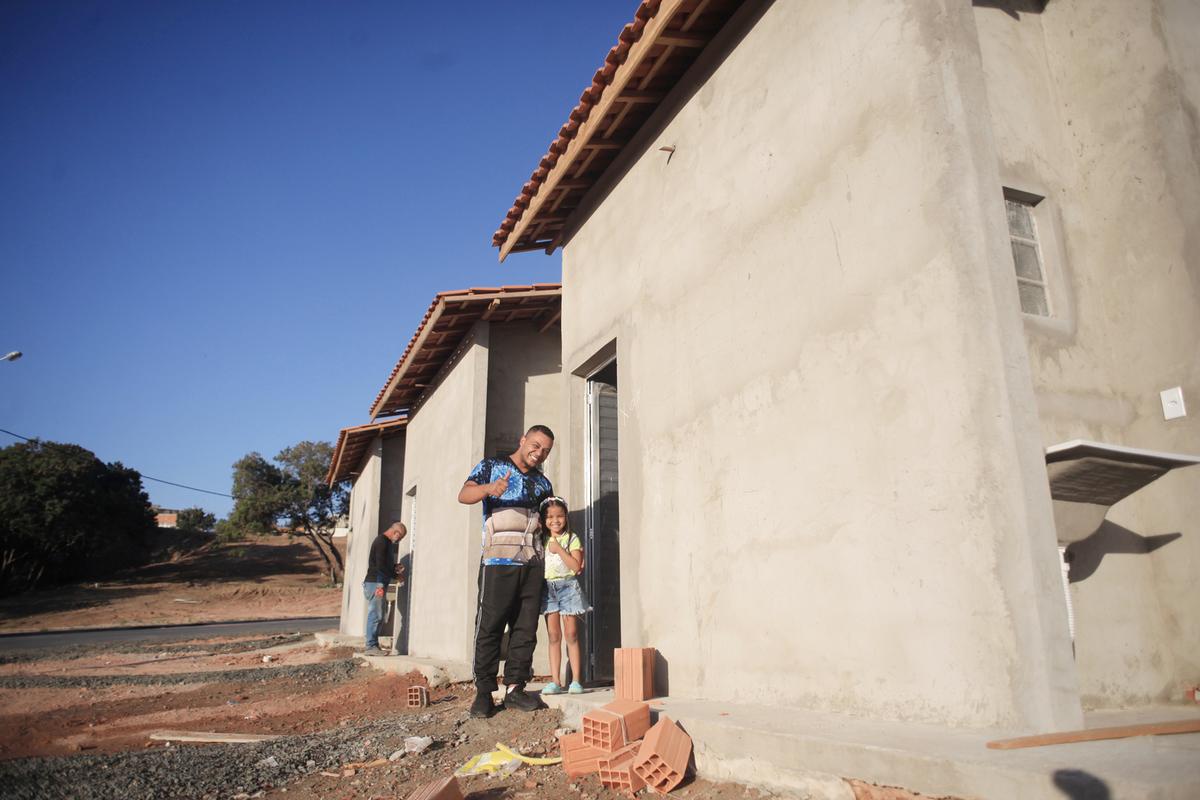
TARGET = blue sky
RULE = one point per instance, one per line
(222, 221)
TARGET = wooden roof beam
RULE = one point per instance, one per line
(685, 39)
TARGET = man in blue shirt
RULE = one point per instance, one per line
(381, 570)
(511, 569)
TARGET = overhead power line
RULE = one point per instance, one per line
(144, 475)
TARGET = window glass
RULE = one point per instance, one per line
(1027, 256)
(1033, 299)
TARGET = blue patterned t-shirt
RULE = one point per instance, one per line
(510, 526)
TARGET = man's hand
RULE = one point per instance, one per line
(379, 591)
(499, 486)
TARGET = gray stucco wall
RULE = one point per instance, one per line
(832, 492)
(1094, 105)
(524, 384)
(444, 440)
(364, 524)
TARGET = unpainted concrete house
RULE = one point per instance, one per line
(839, 279)
(482, 366)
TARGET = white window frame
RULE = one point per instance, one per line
(1029, 203)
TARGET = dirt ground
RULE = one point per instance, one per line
(77, 720)
(258, 686)
(269, 578)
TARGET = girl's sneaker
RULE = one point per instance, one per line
(574, 688)
(552, 688)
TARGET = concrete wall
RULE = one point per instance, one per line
(832, 490)
(525, 388)
(445, 439)
(364, 524)
(524, 385)
(391, 481)
(1095, 107)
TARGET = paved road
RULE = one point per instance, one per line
(10, 642)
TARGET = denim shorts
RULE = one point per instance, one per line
(564, 597)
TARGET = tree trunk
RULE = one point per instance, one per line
(333, 559)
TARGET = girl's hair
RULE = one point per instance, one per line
(548, 503)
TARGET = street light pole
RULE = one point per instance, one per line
(13, 356)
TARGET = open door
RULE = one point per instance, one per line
(602, 550)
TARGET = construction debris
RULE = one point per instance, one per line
(1096, 734)
(418, 697)
(441, 789)
(608, 745)
(417, 744)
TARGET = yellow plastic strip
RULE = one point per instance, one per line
(537, 762)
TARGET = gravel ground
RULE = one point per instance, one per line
(198, 771)
(38, 652)
(326, 671)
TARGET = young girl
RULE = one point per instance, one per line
(563, 598)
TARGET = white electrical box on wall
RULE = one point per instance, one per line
(1172, 403)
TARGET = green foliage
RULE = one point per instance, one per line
(311, 503)
(65, 515)
(290, 492)
(195, 520)
(228, 532)
(259, 495)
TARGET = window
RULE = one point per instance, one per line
(1027, 253)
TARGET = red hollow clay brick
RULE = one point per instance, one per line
(615, 725)
(442, 789)
(663, 757)
(616, 770)
(633, 670)
(579, 759)
(418, 697)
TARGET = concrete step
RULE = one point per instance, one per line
(810, 754)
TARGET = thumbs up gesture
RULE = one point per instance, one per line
(499, 486)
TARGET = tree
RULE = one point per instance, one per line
(65, 514)
(313, 506)
(259, 495)
(292, 491)
(195, 520)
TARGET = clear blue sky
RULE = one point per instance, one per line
(220, 222)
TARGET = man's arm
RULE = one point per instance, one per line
(472, 492)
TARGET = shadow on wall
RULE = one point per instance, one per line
(402, 602)
(1013, 8)
(1079, 785)
(662, 680)
(1085, 555)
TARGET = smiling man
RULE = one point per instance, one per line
(511, 569)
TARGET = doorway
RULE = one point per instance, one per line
(601, 547)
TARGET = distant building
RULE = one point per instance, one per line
(166, 517)
(483, 366)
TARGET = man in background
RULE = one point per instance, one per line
(381, 570)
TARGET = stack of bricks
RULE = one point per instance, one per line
(611, 742)
(606, 730)
(662, 759)
(418, 697)
(633, 668)
(441, 789)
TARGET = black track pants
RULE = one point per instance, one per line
(509, 595)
